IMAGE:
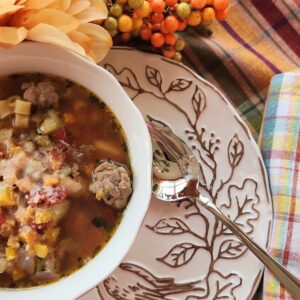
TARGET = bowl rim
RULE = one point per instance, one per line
(142, 187)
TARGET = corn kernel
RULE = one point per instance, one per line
(50, 180)
(17, 274)
(10, 253)
(7, 197)
(41, 251)
(43, 216)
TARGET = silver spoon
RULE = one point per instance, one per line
(176, 177)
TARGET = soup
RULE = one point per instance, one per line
(64, 178)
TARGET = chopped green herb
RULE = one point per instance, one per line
(154, 187)
(101, 105)
(69, 83)
(114, 125)
(125, 147)
(96, 250)
(99, 222)
(93, 98)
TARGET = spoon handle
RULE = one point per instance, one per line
(291, 282)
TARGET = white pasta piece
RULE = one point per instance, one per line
(6, 108)
(22, 107)
(21, 121)
(107, 147)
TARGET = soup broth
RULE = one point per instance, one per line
(64, 178)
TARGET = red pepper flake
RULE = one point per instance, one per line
(60, 134)
(47, 195)
(2, 217)
(63, 136)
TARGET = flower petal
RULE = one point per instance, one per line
(21, 18)
(9, 9)
(37, 4)
(20, 2)
(8, 2)
(45, 33)
(101, 40)
(78, 6)
(61, 5)
(59, 19)
(97, 11)
(12, 36)
(81, 39)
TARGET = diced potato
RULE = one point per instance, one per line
(41, 250)
(17, 274)
(13, 242)
(43, 215)
(42, 140)
(24, 184)
(21, 121)
(11, 253)
(50, 180)
(22, 107)
(7, 197)
(73, 187)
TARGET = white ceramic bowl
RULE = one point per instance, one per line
(34, 57)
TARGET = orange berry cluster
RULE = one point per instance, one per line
(157, 21)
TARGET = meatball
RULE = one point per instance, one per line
(111, 183)
(42, 94)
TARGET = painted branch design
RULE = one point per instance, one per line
(217, 240)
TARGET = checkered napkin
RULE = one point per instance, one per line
(280, 146)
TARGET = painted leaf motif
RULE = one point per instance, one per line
(242, 206)
(223, 286)
(179, 85)
(198, 100)
(179, 255)
(230, 249)
(170, 226)
(154, 77)
(126, 77)
(235, 151)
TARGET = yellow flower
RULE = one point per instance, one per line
(69, 24)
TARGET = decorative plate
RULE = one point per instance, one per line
(182, 252)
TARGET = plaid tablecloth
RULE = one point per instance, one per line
(259, 39)
(280, 145)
